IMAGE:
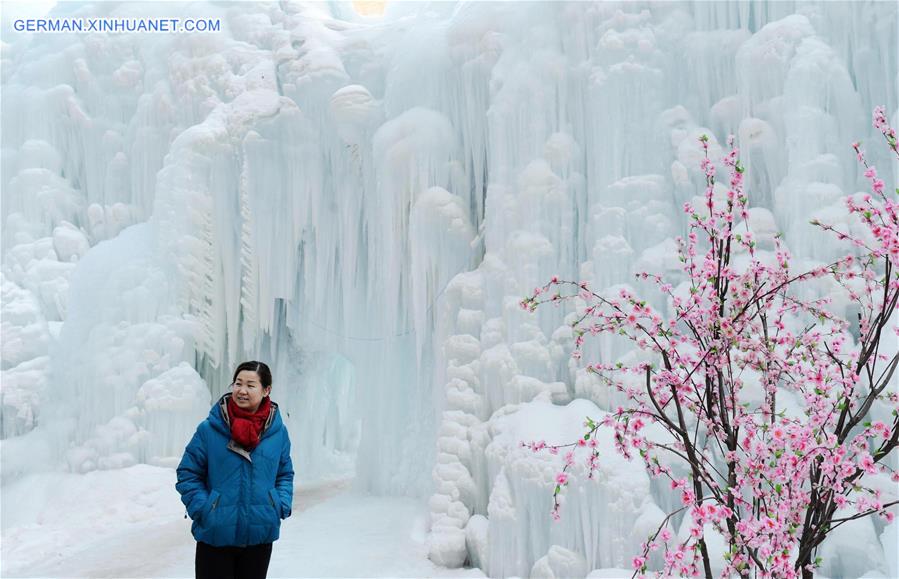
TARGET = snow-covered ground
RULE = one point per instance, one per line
(130, 523)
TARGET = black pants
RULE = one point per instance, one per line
(232, 562)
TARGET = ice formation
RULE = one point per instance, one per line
(363, 201)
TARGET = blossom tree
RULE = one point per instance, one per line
(773, 479)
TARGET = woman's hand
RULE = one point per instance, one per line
(284, 479)
(192, 475)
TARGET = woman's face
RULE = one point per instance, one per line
(247, 390)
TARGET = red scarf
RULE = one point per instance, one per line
(246, 426)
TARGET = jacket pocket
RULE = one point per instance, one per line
(275, 499)
(211, 504)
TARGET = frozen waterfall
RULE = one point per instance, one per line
(363, 201)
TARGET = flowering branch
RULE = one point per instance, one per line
(768, 481)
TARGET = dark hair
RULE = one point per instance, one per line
(265, 375)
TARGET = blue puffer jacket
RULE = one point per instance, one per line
(235, 497)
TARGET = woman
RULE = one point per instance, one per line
(236, 479)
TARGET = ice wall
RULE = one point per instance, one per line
(363, 202)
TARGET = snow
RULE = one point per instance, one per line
(559, 563)
(129, 522)
(520, 528)
(610, 573)
(890, 541)
(363, 202)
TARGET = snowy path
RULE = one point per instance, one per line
(130, 523)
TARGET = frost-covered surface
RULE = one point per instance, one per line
(606, 517)
(363, 203)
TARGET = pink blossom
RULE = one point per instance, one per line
(758, 317)
(867, 464)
